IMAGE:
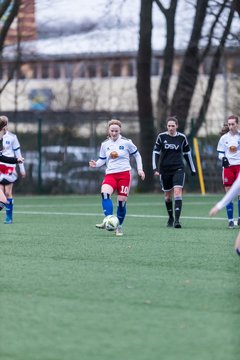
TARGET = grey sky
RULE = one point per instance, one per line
(105, 12)
(78, 10)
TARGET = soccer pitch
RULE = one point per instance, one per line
(70, 291)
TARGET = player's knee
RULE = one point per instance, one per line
(105, 195)
(8, 194)
(168, 197)
(177, 192)
(122, 199)
(121, 204)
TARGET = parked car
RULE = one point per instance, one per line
(84, 179)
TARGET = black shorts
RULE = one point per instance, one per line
(6, 179)
(172, 178)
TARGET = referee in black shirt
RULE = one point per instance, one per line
(167, 161)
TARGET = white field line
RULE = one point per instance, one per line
(129, 204)
(47, 213)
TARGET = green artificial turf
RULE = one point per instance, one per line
(69, 291)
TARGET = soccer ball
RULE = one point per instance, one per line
(111, 222)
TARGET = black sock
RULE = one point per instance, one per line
(169, 206)
(178, 208)
(2, 205)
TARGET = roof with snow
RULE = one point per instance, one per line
(97, 42)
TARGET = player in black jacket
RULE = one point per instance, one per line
(167, 161)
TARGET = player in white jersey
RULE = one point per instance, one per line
(8, 173)
(229, 152)
(230, 195)
(115, 153)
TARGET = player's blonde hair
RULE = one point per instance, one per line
(114, 122)
(3, 121)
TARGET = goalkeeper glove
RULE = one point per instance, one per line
(225, 162)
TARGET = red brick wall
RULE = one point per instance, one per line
(25, 22)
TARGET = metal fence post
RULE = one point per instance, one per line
(39, 155)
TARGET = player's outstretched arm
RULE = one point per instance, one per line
(213, 211)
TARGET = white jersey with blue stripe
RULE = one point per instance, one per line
(11, 147)
(116, 154)
(229, 146)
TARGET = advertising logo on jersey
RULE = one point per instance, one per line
(171, 146)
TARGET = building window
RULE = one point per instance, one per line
(34, 70)
(130, 68)
(104, 69)
(92, 71)
(56, 70)
(79, 70)
(116, 68)
(68, 70)
(45, 69)
(155, 67)
(207, 64)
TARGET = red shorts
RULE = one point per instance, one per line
(5, 169)
(230, 174)
(119, 181)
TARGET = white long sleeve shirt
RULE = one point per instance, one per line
(11, 148)
(229, 146)
(123, 149)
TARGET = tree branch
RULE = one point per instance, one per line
(161, 7)
(211, 32)
(214, 69)
(236, 6)
(12, 14)
(3, 7)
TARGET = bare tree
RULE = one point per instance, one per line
(213, 72)
(8, 11)
(206, 11)
(168, 57)
(188, 75)
(236, 6)
(147, 131)
(187, 78)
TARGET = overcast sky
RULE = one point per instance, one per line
(77, 10)
(104, 12)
